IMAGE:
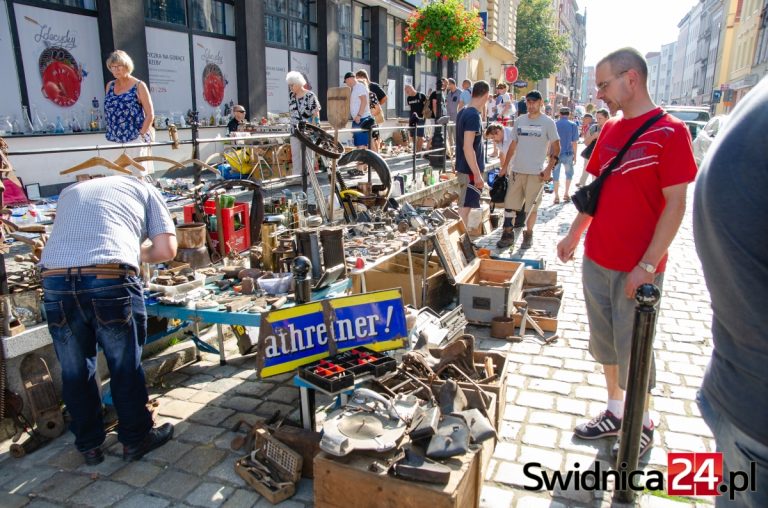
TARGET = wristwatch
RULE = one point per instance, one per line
(647, 267)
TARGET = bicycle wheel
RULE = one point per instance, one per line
(317, 140)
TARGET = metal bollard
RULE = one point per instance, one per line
(643, 330)
(302, 278)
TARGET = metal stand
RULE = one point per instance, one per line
(647, 297)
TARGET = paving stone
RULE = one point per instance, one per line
(253, 388)
(23, 481)
(239, 403)
(552, 419)
(549, 459)
(681, 392)
(68, 460)
(137, 473)
(180, 409)
(537, 400)
(675, 441)
(62, 485)
(242, 498)
(566, 352)
(526, 347)
(668, 406)
(100, 493)
(509, 430)
(142, 500)
(224, 385)
(591, 393)
(204, 397)
(182, 393)
(505, 451)
(284, 394)
(200, 459)
(583, 365)
(572, 406)
(10, 500)
(512, 474)
(541, 371)
(225, 470)
(515, 413)
(687, 369)
(568, 376)
(548, 361)
(197, 433)
(209, 494)
(198, 381)
(174, 484)
(649, 501)
(494, 497)
(288, 503)
(687, 425)
(268, 408)
(170, 452)
(224, 371)
(550, 385)
(540, 436)
(211, 415)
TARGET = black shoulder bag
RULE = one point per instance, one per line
(585, 199)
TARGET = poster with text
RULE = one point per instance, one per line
(277, 88)
(62, 62)
(170, 82)
(10, 98)
(306, 64)
(391, 95)
(215, 73)
(407, 80)
(345, 66)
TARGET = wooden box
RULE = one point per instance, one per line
(486, 287)
(396, 273)
(541, 278)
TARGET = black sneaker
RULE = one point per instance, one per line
(603, 425)
(646, 442)
(93, 456)
(156, 438)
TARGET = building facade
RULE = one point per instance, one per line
(653, 60)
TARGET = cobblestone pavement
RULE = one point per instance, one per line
(551, 388)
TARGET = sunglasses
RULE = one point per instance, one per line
(239, 111)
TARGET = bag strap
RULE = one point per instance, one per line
(639, 132)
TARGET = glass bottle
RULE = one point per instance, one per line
(5, 126)
(59, 126)
(29, 127)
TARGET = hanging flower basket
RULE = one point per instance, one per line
(444, 29)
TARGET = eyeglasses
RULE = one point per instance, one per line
(239, 111)
(602, 86)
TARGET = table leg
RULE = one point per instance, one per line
(220, 340)
(198, 356)
(307, 408)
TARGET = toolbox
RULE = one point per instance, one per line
(338, 372)
(235, 222)
(487, 288)
(272, 468)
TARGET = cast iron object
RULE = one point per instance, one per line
(317, 140)
(373, 160)
(257, 202)
(301, 268)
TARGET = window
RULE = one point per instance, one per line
(83, 4)
(214, 16)
(355, 31)
(291, 23)
(167, 11)
(396, 54)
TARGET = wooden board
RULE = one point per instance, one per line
(338, 106)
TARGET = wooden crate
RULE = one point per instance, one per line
(539, 278)
(488, 287)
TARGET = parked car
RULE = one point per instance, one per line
(695, 117)
(706, 136)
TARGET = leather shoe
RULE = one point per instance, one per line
(156, 438)
(93, 456)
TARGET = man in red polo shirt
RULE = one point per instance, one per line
(641, 206)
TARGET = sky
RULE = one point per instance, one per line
(643, 24)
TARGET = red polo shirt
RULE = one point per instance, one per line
(631, 200)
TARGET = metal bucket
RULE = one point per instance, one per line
(190, 236)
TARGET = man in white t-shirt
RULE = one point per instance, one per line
(505, 108)
(359, 109)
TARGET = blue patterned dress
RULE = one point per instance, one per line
(123, 114)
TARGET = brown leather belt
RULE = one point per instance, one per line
(108, 271)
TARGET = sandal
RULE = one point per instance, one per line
(567, 199)
(557, 200)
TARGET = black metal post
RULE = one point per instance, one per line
(195, 124)
(643, 330)
(304, 169)
(302, 278)
(415, 132)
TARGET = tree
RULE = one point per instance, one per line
(540, 49)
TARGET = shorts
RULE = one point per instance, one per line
(359, 138)
(419, 130)
(611, 317)
(567, 162)
(522, 189)
(469, 195)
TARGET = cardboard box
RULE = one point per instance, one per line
(395, 273)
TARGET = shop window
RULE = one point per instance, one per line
(83, 4)
(167, 11)
(291, 23)
(395, 47)
(213, 16)
(355, 31)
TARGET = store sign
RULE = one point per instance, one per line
(510, 73)
(62, 62)
(170, 81)
(10, 98)
(277, 88)
(215, 73)
(290, 338)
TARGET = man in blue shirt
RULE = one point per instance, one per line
(569, 138)
(466, 94)
(470, 161)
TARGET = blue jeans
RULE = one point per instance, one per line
(567, 162)
(738, 451)
(86, 310)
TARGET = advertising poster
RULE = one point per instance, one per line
(170, 83)
(296, 336)
(62, 62)
(10, 98)
(407, 80)
(215, 71)
(277, 88)
(391, 95)
(306, 64)
(345, 66)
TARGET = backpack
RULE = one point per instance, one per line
(427, 111)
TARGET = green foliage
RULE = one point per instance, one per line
(540, 49)
(444, 29)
